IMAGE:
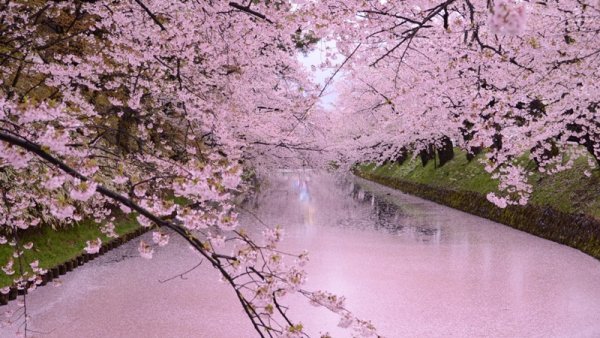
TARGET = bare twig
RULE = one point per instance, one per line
(181, 275)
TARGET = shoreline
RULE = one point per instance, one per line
(578, 231)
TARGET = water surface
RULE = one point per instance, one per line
(414, 268)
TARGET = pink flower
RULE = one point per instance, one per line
(273, 236)
(145, 222)
(160, 238)
(508, 17)
(498, 201)
(302, 258)
(8, 268)
(125, 208)
(120, 179)
(93, 246)
(145, 250)
(109, 230)
(62, 211)
(216, 241)
(83, 191)
(332, 302)
(55, 182)
(346, 320)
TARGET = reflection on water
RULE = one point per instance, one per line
(420, 269)
(301, 186)
(389, 217)
(360, 208)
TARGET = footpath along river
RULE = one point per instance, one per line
(414, 268)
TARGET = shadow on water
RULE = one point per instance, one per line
(304, 200)
(387, 216)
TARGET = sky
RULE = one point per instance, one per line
(312, 61)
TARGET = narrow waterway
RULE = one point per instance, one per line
(414, 268)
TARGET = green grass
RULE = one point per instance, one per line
(457, 174)
(53, 247)
(569, 191)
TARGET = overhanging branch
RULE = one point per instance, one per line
(189, 237)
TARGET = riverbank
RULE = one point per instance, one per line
(62, 249)
(56, 248)
(564, 208)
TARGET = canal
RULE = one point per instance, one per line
(414, 268)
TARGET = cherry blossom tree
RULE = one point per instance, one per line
(114, 107)
(511, 77)
(111, 107)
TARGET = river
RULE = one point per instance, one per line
(414, 268)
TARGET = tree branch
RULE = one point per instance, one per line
(183, 232)
(247, 9)
(152, 15)
(181, 275)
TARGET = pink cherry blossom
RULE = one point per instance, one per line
(145, 250)
(508, 17)
(160, 238)
(93, 246)
(8, 268)
(83, 191)
(182, 103)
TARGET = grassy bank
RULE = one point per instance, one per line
(564, 208)
(53, 247)
(569, 191)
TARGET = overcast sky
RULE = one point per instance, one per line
(315, 58)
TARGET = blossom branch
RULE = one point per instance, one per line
(247, 9)
(152, 15)
(192, 240)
